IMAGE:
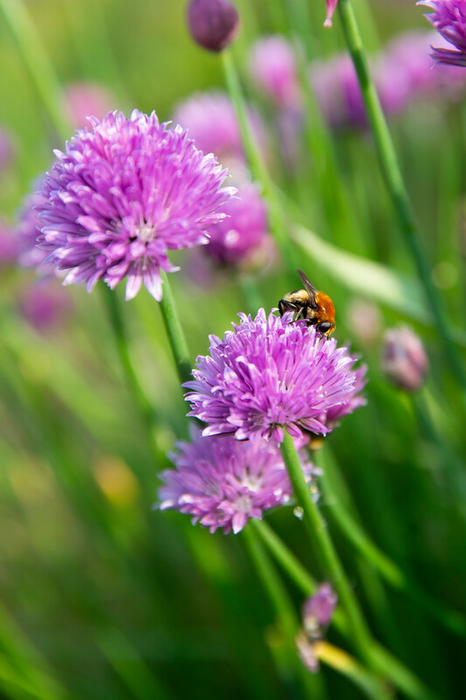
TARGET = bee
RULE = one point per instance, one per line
(311, 305)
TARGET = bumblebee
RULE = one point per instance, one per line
(311, 305)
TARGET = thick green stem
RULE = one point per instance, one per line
(395, 184)
(292, 670)
(321, 539)
(37, 62)
(176, 337)
(256, 163)
(377, 657)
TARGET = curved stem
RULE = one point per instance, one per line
(176, 337)
(257, 165)
(395, 184)
(375, 655)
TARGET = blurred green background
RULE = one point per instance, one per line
(103, 597)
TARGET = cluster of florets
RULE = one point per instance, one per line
(124, 193)
(266, 376)
(449, 19)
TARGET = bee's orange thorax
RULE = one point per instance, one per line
(326, 310)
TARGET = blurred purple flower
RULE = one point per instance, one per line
(269, 375)
(319, 608)
(272, 65)
(124, 193)
(404, 360)
(337, 90)
(449, 19)
(243, 232)
(222, 482)
(86, 99)
(353, 401)
(306, 652)
(211, 121)
(213, 24)
(44, 304)
(8, 245)
(27, 230)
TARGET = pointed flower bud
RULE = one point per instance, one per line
(404, 360)
(213, 24)
(331, 5)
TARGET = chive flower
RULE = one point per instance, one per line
(269, 375)
(124, 193)
(222, 483)
(449, 19)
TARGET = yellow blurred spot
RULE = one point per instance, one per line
(116, 481)
(334, 657)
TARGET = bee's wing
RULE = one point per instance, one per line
(307, 284)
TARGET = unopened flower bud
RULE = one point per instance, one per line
(404, 360)
(318, 610)
(213, 24)
(331, 5)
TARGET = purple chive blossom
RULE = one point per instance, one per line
(337, 90)
(272, 64)
(449, 19)
(404, 360)
(243, 232)
(124, 193)
(268, 375)
(222, 483)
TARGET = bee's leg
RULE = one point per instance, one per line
(285, 306)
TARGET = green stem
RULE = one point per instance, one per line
(386, 567)
(176, 337)
(377, 657)
(36, 61)
(145, 408)
(256, 163)
(320, 537)
(290, 665)
(395, 184)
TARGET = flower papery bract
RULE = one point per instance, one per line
(222, 483)
(267, 375)
(124, 193)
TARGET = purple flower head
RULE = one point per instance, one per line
(86, 99)
(124, 193)
(318, 609)
(44, 305)
(213, 24)
(268, 375)
(211, 121)
(449, 19)
(404, 360)
(243, 232)
(272, 65)
(222, 483)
